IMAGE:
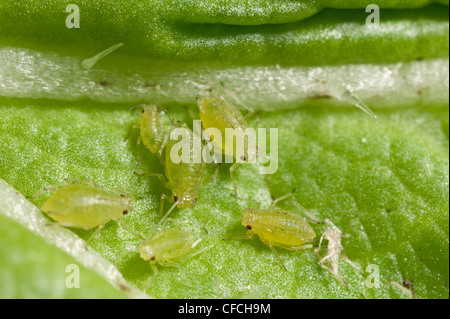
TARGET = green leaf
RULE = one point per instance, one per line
(371, 177)
(31, 265)
(241, 32)
(383, 181)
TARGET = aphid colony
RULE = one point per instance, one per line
(89, 206)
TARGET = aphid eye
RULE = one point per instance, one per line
(125, 212)
(122, 195)
(153, 258)
(249, 227)
(143, 111)
(243, 158)
(195, 200)
(175, 198)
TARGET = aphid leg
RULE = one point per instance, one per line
(139, 152)
(128, 229)
(248, 236)
(198, 252)
(160, 177)
(130, 131)
(154, 268)
(88, 242)
(308, 246)
(164, 218)
(276, 254)
(232, 168)
(62, 224)
(164, 143)
(348, 261)
(180, 271)
(206, 221)
(213, 177)
(330, 270)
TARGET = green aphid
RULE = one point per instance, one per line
(152, 132)
(184, 174)
(279, 228)
(219, 113)
(169, 247)
(86, 207)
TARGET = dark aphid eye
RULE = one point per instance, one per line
(153, 258)
(143, 111)
(249, 227)
(122, 195)
(195, 200)
(125, 212)
(175, 198)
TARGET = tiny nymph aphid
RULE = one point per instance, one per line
(152, 132)
(169, 247)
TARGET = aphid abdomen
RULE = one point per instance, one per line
(172, 243)
(279, 228)
(217, 113)
(152, 133)
(85, 206)
(185, 178)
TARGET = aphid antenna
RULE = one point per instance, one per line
(53, 188)
(136, 106)
(170, 119)
(311, 217)
(90, 62)
(275, 201)
(199, 104)
(131, 231)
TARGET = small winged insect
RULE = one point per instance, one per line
(152, 132)
(279, 228)
(86, 207)
(216, 112)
